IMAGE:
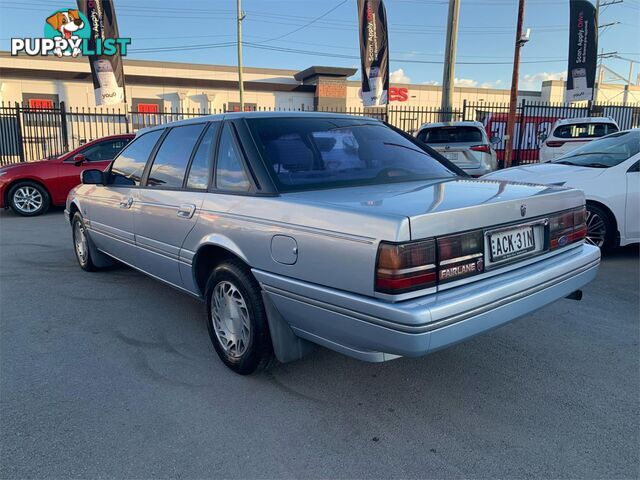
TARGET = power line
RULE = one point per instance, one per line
(306, 24)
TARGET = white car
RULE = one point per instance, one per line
(607, 170)
(570, 133)
(466, 144)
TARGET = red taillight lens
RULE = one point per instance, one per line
(412, 266)
(579, 224)
(481, 148)
(460, 256)
(554, 143)
(567, 227)
(406, 267)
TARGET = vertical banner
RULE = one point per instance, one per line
(374, 52)
(106, 69)
(583, 51)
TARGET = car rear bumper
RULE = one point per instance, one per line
(375, 330)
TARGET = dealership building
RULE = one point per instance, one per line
(154, 86)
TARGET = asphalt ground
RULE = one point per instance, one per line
(112, 375)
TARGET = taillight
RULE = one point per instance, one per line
(567, 227)
(406, 267)
(481, 148)
(460, 256)
(554, 143)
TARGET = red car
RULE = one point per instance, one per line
(30, 188)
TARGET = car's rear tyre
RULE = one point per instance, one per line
(29, 199)
(237, 321)
(600, 227)
(81, 244)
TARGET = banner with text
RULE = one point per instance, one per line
(374, 52)
(106, 70)
(583, 51)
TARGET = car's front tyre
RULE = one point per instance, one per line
(81, 244)
(29, 199)
(237, 321)
(600, 227)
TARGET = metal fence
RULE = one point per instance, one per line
(28, 134)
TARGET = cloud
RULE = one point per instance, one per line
(534, 82)
(431, 82)
(465, 82)
(496, 84)
(398, 76)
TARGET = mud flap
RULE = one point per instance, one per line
(286, 345)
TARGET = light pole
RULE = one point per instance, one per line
(513, 99)
(240, 83)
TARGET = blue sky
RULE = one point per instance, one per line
(203, 31)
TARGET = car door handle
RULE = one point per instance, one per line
(126, 203)
(186, 210)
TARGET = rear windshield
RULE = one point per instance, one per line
(585, 130)
(451, 135)
(308, 153)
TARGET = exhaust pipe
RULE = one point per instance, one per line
(577, 295)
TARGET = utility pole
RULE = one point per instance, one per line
(448, 75)
(513, 99)
(600, 6)
(240, 83)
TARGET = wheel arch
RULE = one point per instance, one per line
(73, 208)
(210, 253)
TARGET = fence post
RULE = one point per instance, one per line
(63, 125)
(126, 116)
(589, 107)
(464, 109)
(19, 133)
(523, 106)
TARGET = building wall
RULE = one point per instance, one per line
(79, 92)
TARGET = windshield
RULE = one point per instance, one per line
(605, 152)
(306, 153)
(451, 134)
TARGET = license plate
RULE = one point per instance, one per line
(451, 156)
(511, 243)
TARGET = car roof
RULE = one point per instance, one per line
(271, 114)
(569, 121)
(465, 123)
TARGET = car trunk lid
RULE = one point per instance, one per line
(441, 207)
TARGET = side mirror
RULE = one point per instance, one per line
(93, 177)
(79, 159)
(494, 140)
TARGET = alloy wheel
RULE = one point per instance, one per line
(28, 199)
(230, 317)
(596, 229)
(80, 242)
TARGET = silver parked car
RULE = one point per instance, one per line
(300, 229)
(464, 143)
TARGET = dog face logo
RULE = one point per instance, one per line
(66, 22)
(67, 25)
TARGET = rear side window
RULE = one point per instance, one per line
(230, 172)
(171, 161)
(451, 135)
(201, 164)
(127, 169)
(585, 130)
